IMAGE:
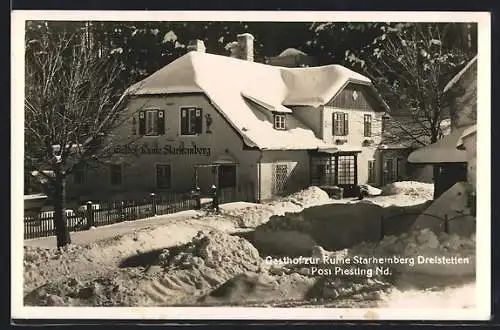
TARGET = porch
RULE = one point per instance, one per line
(331, 167)
(223, 176)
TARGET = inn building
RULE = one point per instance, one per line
(226, 120)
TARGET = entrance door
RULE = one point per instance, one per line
(449, 174)
(227, 176)
(347, 176)
(206, 178)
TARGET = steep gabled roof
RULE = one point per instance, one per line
(226, 81)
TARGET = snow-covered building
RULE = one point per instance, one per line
(292, 58)
(455, 164)
(209, 119)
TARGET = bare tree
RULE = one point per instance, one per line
(72, 103)
(410, 64)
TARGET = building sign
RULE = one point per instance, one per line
(147, 149)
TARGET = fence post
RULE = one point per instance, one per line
(446, 224)
(121, 209)
(215, 198)
(90, 214)
(198, 198)
(153, 204)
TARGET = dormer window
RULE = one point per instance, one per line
(279, 121)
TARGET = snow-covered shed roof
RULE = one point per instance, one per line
(292, 52)
(466, 133)
(226, 81)
(443, 151)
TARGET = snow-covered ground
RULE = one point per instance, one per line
(197, 258)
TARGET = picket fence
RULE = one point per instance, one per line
(112, 212)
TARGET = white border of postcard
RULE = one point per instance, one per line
(483, 251)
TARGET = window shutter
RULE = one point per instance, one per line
(334, 123)
(198, 121)
(184, 121)
(161, 122)
(142, 123)
(346, 124)
(134, 126)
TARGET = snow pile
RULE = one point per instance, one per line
(370, 191)
(409, 188)
(308, 197)
(254, 216)
(250, 288)
(424, 243)
(249, 217)
(214, 249)
(454, 297)
(452, 204)
(114, 289)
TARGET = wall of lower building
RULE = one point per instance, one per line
(216, 141)
(298, 175)
(470, 142)
(406, 171)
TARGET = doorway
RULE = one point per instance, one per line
(448, 175)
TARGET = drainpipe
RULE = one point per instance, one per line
(259, 180)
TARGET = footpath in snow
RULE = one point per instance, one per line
(194, 258)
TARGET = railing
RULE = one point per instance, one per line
(443, 223)
(110, 213)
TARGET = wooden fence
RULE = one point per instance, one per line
(112, 212)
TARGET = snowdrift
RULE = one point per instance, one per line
(253, 216)
(452, 204)
(332, 226)
(409, 188)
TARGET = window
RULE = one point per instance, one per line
(280, 177)
(340, 124)
(152, 122)
(116, 174)
(371, 171)
(389, 170)
(279, 121)
(368, 125)
(191, 121)
(227, 176)
(163, 177)
(79, 174)
(346, 173)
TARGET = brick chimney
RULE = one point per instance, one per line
(196, 45)
(234, 49)
(245, 45)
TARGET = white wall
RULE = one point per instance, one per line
(356, 137)
(139, 174)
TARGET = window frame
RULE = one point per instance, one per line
(112, 183)
(279, 121)
(343, 119)
(189, 108)
(367, 125)
(157, 187)
(372, 172)
(154, 123)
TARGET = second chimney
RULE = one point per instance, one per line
(196, 46)
(245, 45)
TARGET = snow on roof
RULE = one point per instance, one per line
(467, 132)
(442, 151)
(291, 52)
(316, 86)
(224, 80)
(459, 75)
